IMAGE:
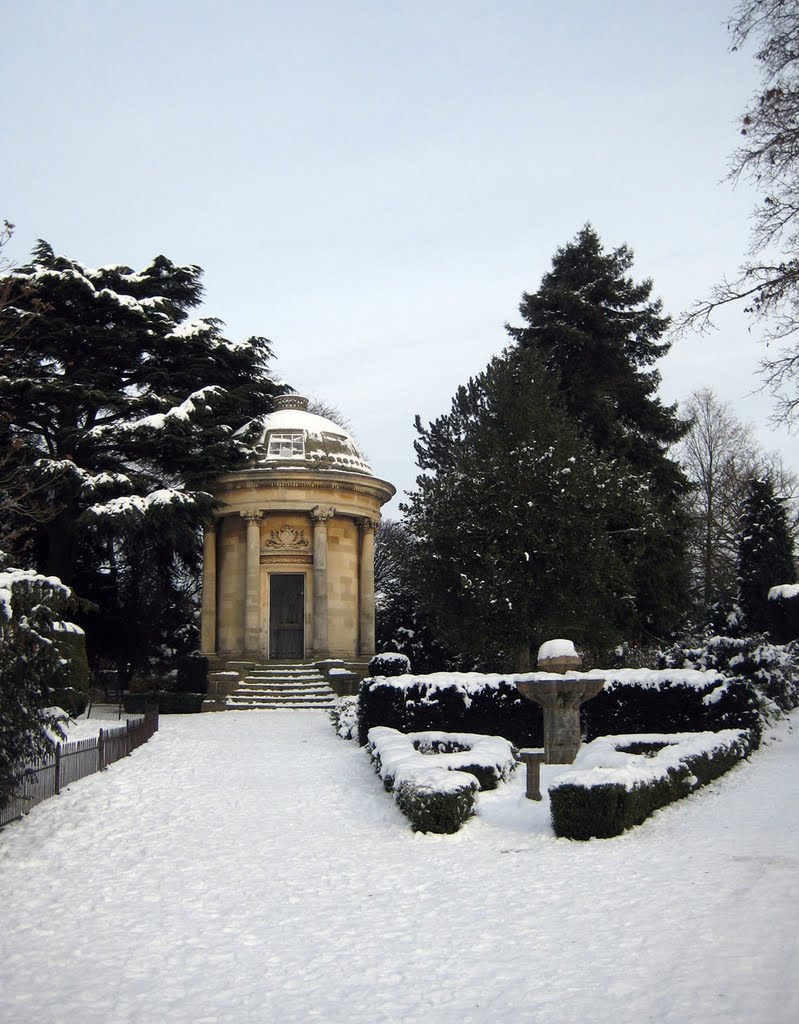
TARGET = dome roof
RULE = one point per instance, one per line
(294, 437)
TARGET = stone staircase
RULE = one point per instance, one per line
(282, 686)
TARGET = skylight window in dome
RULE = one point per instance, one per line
(286, 446)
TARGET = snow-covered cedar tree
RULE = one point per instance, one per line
(31, 669)
(765, 553)
(599, 334)
(511, 514)
(117, 408)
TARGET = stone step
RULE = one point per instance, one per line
(245, 702)
(282, 706)
(278, 692)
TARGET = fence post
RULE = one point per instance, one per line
(100, 752)
(57, 769)
(128, 741)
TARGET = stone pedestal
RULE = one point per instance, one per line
(561, 697)
(533, 757)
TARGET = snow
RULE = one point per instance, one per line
(404, 757)
(469, 683)
(557, 649)
(249, 867)
(602, 762)
(787, 590)
(136, 503)
(157, 421)
(14, 578)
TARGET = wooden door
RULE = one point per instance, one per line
(286, 616)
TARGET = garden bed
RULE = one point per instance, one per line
(619, 781)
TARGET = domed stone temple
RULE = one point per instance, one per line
(288, 570)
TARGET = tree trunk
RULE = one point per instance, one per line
(523, 659)
(61, 548)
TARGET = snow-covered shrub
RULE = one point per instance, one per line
(772, 669)
(389, 664)
(436, 789)
(31, 670)
(669, 700)
(470, 702)
(619, 781)
(344, 716)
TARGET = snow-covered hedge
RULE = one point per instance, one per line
(619, 781)
(434, 775)
(783, 606)
(470, 702)
(389, 664)
(633, 700)
(670, 700)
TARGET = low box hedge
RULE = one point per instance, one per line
(670, 700)
(465, 702)
(434, 775)
(633, 700)
(617, 782)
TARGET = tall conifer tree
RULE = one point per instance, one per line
(765, 552)
(599, 333)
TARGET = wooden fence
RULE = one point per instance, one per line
(74, 760)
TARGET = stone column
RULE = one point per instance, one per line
(366, 588)
(252, 583)
(320, 517)
(208, 613)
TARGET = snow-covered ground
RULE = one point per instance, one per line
(249, 867)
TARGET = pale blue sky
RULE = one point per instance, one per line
(372, 185)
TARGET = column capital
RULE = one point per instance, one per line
(252, 517)
(366, 524)
(321, 515)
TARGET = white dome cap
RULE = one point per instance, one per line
(292, 436)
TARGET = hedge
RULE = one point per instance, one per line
(634, 700)
(670, 700)
(465, 702)
(434, 775)
(168, 702)
(617, 782)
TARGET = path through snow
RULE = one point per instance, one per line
(248, 867)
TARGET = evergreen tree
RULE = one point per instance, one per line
(510, 517)
(118, 409)
(30, 669)
(599, 334)
(765, 552)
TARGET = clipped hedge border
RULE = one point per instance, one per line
(434, 775)
(619, 781)
(667, 700)
(671, 706)
(469, 703)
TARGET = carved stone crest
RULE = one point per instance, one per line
(286, 539)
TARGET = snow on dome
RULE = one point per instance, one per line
(292, 436)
